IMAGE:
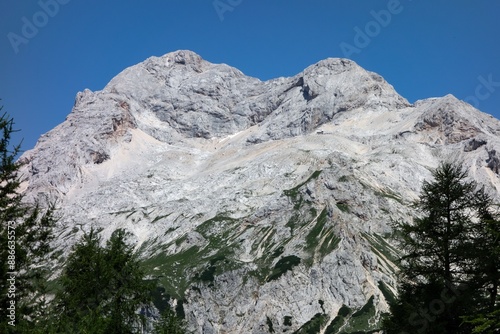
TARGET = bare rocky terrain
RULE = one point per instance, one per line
(261, 206)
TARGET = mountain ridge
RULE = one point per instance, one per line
(257, 202)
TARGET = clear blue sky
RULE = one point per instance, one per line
(423, 48)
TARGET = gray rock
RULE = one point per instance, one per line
(259, 203)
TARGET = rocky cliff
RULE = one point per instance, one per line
(261, 206)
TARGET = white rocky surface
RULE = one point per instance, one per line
(224, 179)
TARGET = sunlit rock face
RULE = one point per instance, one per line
(262, 206)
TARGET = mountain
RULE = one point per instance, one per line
(260, 206)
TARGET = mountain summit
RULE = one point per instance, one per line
(260, 206)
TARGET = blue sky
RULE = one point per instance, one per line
(51, 49)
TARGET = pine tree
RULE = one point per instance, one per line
(83, 284)
(485, 270)
(129, 290)
(25, 236)
(102, 287)
(442, 262)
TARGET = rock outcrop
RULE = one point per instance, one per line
(261, 206)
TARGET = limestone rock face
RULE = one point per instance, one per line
(261, 206)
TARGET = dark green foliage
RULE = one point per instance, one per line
(283, 265)
(314, 325)
(175, 277)
(436, 242)
(343, 207)
(488, 323)
(338, 321)
(293, 192)
(287, 320)
(344, 311)
(382, 248)
(178, 271)
(344, 178)
(450, 270)
(208, 274)
(25, 236)
(269, 325)
(102, 287)
(362, 317)
(278, 251)
(160, 298)
(179, 309)
(388, 294)
(322, 304)
(484, 255)
(321, 238)
(169, 323)
(312, 236)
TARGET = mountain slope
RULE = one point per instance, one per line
(263, 206)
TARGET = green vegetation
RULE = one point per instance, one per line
(321, 238)
(386, 253)
(282, 266)
(294, 192)
(343, 207)
(344, 178)
(449, 275)
(158, 218)
(25, 238)
(346, 322)
(208, 274)
(99, 290)
(177, 272)
(388, 294)
(363, 319)
(339, 321)
(102, 287)
(169, 323)
(269, 325)
(314, 325)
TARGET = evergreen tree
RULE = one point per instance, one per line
(444, 252)
(11, 211)
(169, 323)
(129, 290)
(102, 287)
(83, 283)
(25, 236)
(488, 323)
(485, 270)
(485, 250)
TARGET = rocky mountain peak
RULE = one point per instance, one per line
(262, 205)
(450, 120)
